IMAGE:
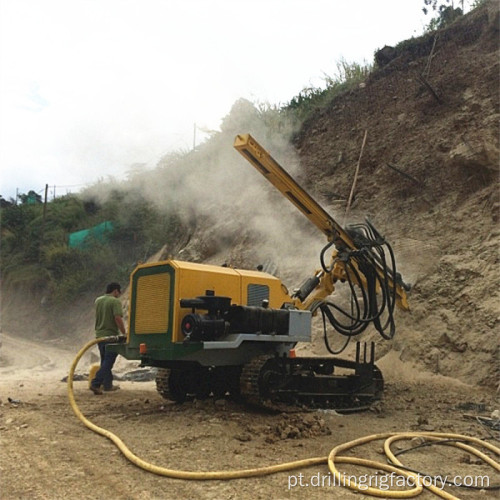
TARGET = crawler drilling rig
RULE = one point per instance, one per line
(221, 331)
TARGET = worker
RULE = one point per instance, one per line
(108, 322)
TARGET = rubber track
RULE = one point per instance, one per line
(161, 380)
(250, 390)
(249, 380)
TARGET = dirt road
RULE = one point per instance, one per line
(47, 453)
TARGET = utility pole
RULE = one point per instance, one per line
(44, 214)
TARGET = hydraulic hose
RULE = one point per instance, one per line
(331, 460)
(413, 478)
(366, 263)
(162, 471)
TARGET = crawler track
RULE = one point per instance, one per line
(309, 383)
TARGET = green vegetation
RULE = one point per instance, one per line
(445, 12)
(312, 99)
(35, 252)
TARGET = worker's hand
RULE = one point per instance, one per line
(122, 338)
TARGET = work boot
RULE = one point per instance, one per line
(112, 388)
(96, 390)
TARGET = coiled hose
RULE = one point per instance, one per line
(368, 264)
(331, 460)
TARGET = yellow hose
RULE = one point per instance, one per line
(331, 460)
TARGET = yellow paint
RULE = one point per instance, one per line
(92, 371)
(153, 300)
(152, 303)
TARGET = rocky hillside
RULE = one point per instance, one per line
(429, 181)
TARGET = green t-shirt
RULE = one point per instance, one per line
(106, 308)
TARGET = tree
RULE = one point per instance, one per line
(439, 6)
(446, 14)
(31, 198)
(5, 203)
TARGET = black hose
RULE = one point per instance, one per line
(368, 262)
(327, 343)
(322, 258)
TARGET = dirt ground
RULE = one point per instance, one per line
(47, 453)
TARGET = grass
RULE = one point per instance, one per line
(312, 99)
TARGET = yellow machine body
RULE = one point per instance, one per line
(157, 295)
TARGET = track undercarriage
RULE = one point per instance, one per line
(280, 382)
(197, 382)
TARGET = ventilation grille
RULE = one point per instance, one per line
(152, 303)
(256, 294)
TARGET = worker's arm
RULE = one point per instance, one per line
(120, 324)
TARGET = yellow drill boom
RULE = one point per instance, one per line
(279, 178)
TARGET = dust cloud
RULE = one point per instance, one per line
(225, 204)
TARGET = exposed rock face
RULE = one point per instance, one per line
(443, 215)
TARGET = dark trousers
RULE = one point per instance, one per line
(104, 375)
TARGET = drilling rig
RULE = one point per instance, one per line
(221, 331)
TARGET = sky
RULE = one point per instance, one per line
(88, 88)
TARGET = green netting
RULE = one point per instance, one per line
(101, 232)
